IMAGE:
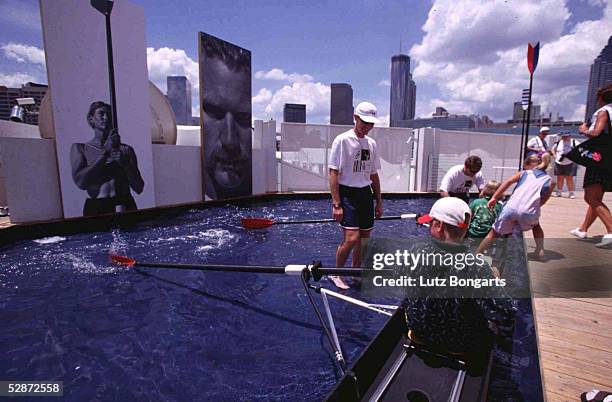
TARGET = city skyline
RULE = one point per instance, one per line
(462, 60)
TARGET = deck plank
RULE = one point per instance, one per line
(565, 347)
(564, 387)
(599, 375)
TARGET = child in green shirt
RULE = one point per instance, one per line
(483, 217)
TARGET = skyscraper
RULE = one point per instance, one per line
(179, 96)
(294, 113)
(601, 74)
(341, 110)
(403, 90)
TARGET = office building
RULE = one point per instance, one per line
(8, 99)
(403, 90)
(517, 113)
(601, 74)
(441, 118)
(179, 97)
(294, 113)
(341, 109)
(446, 123)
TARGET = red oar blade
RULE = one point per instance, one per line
(256, 223)
(121, 260)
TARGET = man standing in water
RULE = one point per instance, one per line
(354, 184)
(104, 167)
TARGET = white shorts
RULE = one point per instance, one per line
(509, 219)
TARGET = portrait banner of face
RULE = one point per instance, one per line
(225, 93)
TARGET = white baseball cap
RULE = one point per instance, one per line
(367, 112)
(450, 210)
(545, 129)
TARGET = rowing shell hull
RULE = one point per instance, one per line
(387, 370)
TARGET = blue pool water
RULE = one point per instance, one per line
(112, 333)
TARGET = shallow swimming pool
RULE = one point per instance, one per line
(112, 333)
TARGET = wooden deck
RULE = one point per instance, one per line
(575, 325)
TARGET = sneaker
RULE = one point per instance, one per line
(340, 284)
(578, 233)
(572, 196)
(606, 241)
(557, 194)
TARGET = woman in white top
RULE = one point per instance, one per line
(596, 180)
(565, 169)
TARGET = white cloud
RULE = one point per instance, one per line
(165, 61)
(315, 95)
(384, 120)
(277, 74)
(16, 80)
(384, 83)
(24, 53)
(263, 96)
(473, 31)
(475, 53)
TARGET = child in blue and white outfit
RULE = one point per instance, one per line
(522, 210)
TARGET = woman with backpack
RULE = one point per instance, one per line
(565, 169)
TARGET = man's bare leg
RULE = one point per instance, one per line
(349, 243)
(364, 236)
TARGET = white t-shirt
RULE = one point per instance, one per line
(607, 107)
(354, 158)
(531, 187)
(562, 148)
(455, 181)
(537, 143)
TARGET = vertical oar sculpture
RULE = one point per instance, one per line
(533, 53)
(105, 7)
(524, 106)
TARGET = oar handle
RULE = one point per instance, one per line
(402, 216)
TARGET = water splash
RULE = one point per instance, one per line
(118, 245)
(49, 240)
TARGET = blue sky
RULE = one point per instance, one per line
(467, 55)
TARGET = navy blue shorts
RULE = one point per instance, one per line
(358, 207)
